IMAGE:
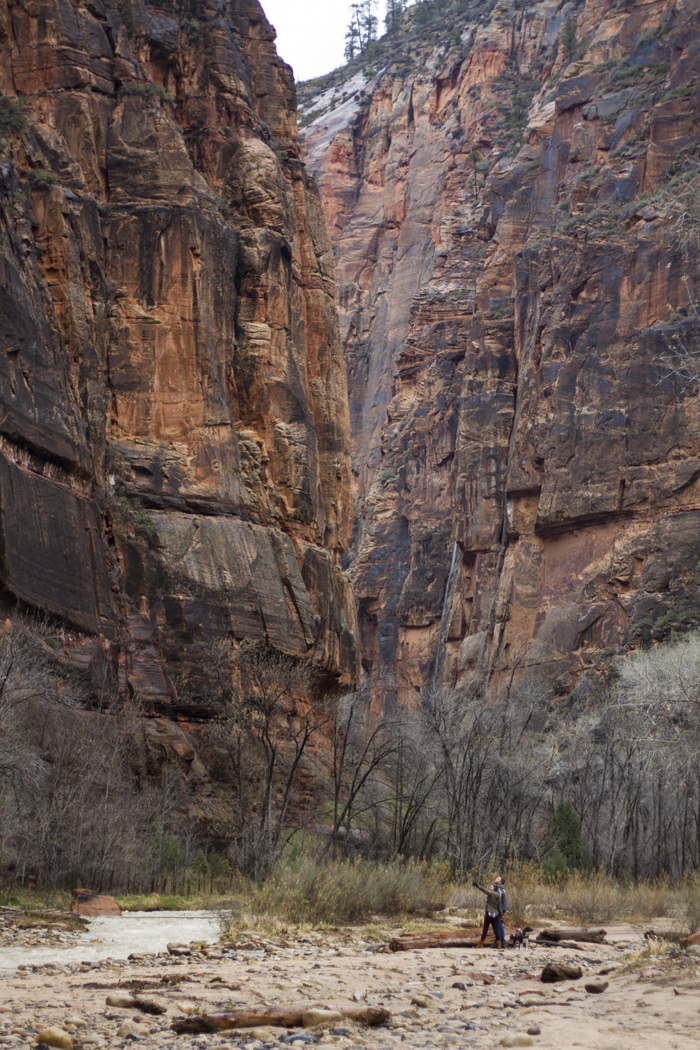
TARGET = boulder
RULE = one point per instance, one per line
(87, 902)
(557, 971)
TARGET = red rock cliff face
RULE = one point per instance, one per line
(174, 427)
(515, 221)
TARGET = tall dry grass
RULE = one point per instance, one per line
(341, 892)
(310, 892)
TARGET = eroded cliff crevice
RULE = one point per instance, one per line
(515, 224)
(175, 433)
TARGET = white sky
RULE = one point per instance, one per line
(310, 33)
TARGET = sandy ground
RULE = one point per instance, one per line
(655, 1007)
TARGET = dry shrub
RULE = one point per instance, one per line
(530, 896)
(647, 900)
(589, 898)
(656, 952)
(685, 905)
(332, 893)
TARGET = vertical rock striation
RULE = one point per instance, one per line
(174, 438)
(513, 203)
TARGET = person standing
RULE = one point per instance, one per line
(493, 914)
(500, 884)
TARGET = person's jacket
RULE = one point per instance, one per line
(494, 904)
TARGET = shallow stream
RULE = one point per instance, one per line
(116, 936)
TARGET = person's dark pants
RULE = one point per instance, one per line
(491, 920)
(501, 934)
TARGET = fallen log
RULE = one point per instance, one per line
(441, 939)
(222, 1022)
(236, 1019)
(570, 945)
(369, 1015)
(587, 936)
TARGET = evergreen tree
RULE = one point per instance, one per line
(362, 28)
(568, 39)
(568, 850)
(423, 12)
(394, 14)
(352, 42)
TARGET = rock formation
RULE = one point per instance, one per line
(174, 439)
(512, 191)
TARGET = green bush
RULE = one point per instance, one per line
(42, 177)
(12, 119)
(144, 89)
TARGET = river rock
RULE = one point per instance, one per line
(314, 1017)
(87, 902)
(557, 971)
(516, 1040)
(55, 1037)
(120, 999)
(596, 987)
(132, 1028)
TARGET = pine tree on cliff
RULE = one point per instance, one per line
(394, 15)
(362, 28)
(568, 40)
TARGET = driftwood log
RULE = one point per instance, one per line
(587, 936)
(441, 939)
(232, 1019)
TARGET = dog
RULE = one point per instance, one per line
(520, 938)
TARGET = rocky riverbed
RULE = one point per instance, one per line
(437, 997)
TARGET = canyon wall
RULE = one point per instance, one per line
(174, 431)
(512, 192)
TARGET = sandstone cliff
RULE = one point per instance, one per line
(174, 438)
(512, 192)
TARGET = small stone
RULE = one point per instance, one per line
(187, 1008)
(128, 1028)
(77, 1022)
(535, 1030)
(516, 1040)
(120, 999)
(458, 984)
(596, 987)
(55, 1037)
(421, 1000)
